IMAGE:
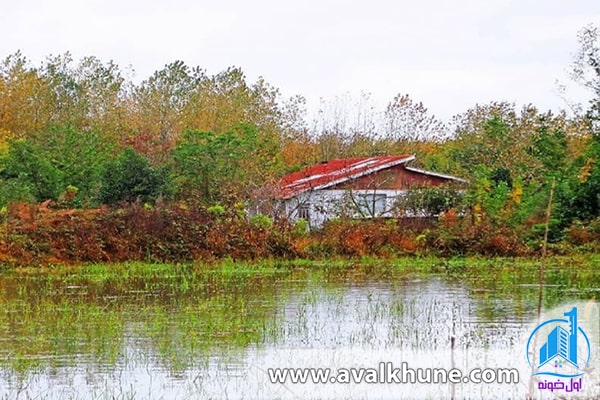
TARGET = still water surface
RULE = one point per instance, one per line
(184, 332)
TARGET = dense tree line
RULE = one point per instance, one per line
(82, 134)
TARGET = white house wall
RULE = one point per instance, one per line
(323, 205)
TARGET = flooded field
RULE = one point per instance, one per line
(134, 331)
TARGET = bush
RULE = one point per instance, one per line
(130, 178)
(300, 228)
(261, 221)
(217, 210)
(173, 233)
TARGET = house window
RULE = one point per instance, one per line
(304, 211)
(371, 204)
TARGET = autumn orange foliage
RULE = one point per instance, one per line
(38, 234)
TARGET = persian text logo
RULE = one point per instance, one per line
(559, 347)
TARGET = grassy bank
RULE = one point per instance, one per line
(462, 266)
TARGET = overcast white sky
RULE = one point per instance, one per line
(448, 54)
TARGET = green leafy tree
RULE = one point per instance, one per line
(28, 174)
(585, 201)
(210, 166)
(130, 178)
(52, 160)
(550, 149)
(79, 155)
(584, 204)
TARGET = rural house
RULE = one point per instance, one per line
(357, 187)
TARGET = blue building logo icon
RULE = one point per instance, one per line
(563, 348)
(561, 343)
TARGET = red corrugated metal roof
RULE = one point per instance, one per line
(334, 172)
